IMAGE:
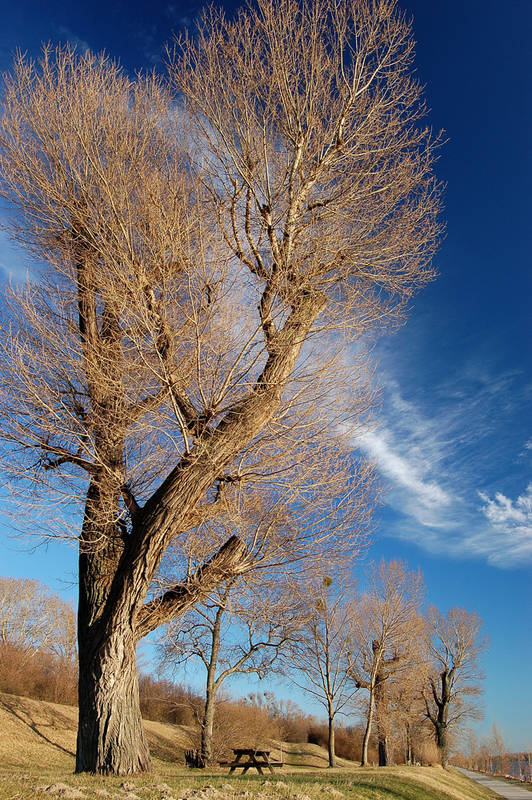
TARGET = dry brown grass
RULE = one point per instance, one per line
(37, 743)
(36, 732)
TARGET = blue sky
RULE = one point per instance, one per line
(454, 444)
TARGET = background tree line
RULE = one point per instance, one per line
(396, 684)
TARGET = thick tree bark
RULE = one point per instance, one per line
(110, 734)
(111, 739)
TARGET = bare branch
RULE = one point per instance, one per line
(227, 562)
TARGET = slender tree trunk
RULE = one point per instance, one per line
(207, 725)
(385, 758)
(330, 742)
(367, 732)
(211, 689)
(408, 734)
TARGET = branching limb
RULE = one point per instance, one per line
(129, 499)
(62, 456)
(227, 562)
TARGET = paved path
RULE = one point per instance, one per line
(506, 790)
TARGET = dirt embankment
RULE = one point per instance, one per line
(36, 732)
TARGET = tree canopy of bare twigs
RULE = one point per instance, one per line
(388, 637)
(241, 629)
(318, 655)
(34, 619)
(453, 688)
(207, 244)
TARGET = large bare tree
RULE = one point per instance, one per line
(200, 259)
(453, 688)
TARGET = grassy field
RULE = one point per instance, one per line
(37, 743)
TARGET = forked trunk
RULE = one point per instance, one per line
(117, 566)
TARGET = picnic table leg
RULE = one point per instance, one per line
(239, 756)
(267, 760)
(256, 764)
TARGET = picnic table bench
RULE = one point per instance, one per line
(255, 758)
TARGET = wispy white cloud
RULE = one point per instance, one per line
(425, 497)
(508, 536)
(66, 35)
(435, 465)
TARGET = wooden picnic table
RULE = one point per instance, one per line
(255, 758)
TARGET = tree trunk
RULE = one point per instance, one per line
(408, 735)
(211, 689)
(442, 717)
(110, 734)
(330, 742)
(385, 759)
(442, 744)
(367, 732)
(207, 725)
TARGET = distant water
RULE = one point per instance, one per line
(518, 765)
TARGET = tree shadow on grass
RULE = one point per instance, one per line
(397, 792)
(23, 715)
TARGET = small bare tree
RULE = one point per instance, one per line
(498, 747)
(407, 707)
(317, 658)
(456, 645)
(240, 629)
(387, 628)
(199, 259)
